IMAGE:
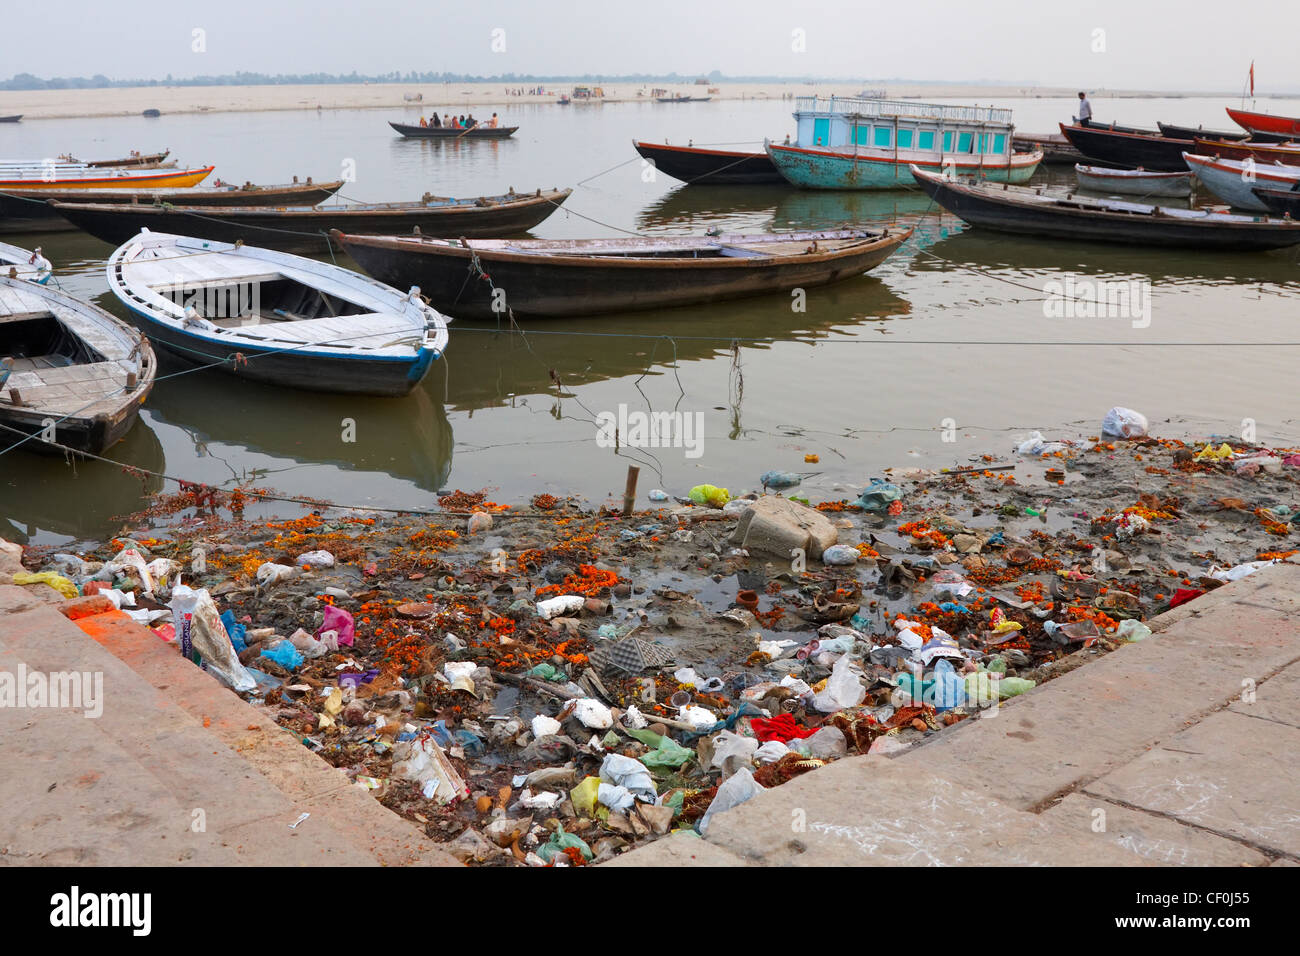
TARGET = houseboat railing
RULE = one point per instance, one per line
(892, 109)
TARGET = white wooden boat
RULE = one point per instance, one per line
(275, 317)
(67, 369)
(18, 263)
(1133, 182)
(1234, 180)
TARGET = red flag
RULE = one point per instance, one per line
(1252, 77)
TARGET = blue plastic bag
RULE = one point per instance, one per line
(237, 632)
(780, 479)
(284, 654)
(879, 495)
(949, 689)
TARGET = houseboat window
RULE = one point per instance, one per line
(882, 137)
(984, 143)
(905, 138)
(821, 131)
(925, 140)
(947, 141)
(862, 135)
(1000, 143)
(964, 141)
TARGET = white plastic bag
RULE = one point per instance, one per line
(316, 559)
(632, 774)
(592, 714)
(544, 726)
(564, 604)
(1124, 423)
(196, 613)
(727, 744)
(734, 791)
(843, 688)
(269, 573)
(423, 761)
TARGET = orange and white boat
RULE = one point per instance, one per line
(13, 179)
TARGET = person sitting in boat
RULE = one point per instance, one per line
(436, 122)
(424, 122)
(470, 121)
(492, 123)
(1085, 110)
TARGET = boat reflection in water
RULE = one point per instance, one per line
(47, 500)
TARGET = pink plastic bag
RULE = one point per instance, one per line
(338, 620)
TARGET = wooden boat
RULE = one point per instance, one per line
(135, 160)
(559, 278)
(1056, 149)
(1269, 153)
(564, 100)
(11, 119)
(1171, 131)
(151, 113)
(1135, 182)
(1030, 212)
(1256, 123)
(20, 264)
(1132, 150)
(857, 143)
(683, 99)
(69, 361)
(277, 318)
(304, 228)
(450, 132)
(716, 167)
(1233, 180)
(103, 179)
(30, 211)
(1280, 202)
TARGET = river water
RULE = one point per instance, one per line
(942, 353)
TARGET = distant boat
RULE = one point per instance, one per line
(1170, 131)
(276, 318)
(70, 362)
(151, 113)
(451, 132)
(1233, 180)
(560, 278)
(1252, 122)
(1136, 182)
(29, 210)
(564, 100)
(135, 160)
(852, 143)
(38, 179)
(1028, 211)
(1056, 149)
(1261, 153)
(11, 119)
(1132, 150)
(714, 167)
(304, 228)
(1280, 202)
(18, 263)
(681, 98)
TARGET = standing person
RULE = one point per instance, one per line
(493, 122)
(436, 121)
(1085, 110)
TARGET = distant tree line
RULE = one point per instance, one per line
(27, 81)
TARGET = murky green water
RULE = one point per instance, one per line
(950, 328)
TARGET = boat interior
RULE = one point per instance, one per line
(257, 300)
(38, 340)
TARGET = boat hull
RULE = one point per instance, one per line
(1056, 149)
(710, 166)
(1133, 150)
(306, 230)
(1226, 179)
(811, 168)
(1260, 153)
(1286, 126)
(30, 211)
(1170, 185)
(154, 179)
(1280, 202)
(1173, 131)
(564, 286)
(442, 132)
(1064, 222)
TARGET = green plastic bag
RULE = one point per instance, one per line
(1014, 686)
(561, 841)
(666, 753)
(709, 495)
(584, 795)
(548, 672)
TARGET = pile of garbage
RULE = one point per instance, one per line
(552, 684)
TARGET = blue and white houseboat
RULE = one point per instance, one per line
(869, 143)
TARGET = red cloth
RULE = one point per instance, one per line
(781, 727)
(1183, 595)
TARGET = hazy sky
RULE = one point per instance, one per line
(1147, 44)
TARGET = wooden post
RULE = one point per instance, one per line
(629, 493)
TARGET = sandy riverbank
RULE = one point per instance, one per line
(131, 101)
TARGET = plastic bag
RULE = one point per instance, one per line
(840, 554)
(269, 573)
(1036, 444)
(1235, 573)
(734, 791)
(709, 495)
(584, 795)
(666, 752)
(879, 495)
(1132, 630)
(727, 744)
(195, 616)
(284, 654)
(234, 630)
(616, 798)
(340, 622)
(556, 606)
(316, 559)
(780, 479)
(544, 726)
(1124, 423)
(130, 558)
(843, 688)
(309, 647)
(561, 841)
(632, 774)
(949, 687)
(56, 581)
(592, 714)
(423, 761)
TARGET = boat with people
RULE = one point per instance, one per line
(29, 210)
(1119, 147)
(68, 371)
(716, 167)
(869, 143)
(306, 228)
(558, 278)
(274, 317)
(1135, 182)
(1233, 180)
(18, 263)
(1281, 154)
(52, 177)
(1267, 124)
(454, 132)
(1031, 211)
(1280, 202)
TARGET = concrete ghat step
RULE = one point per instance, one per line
(146, 783)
